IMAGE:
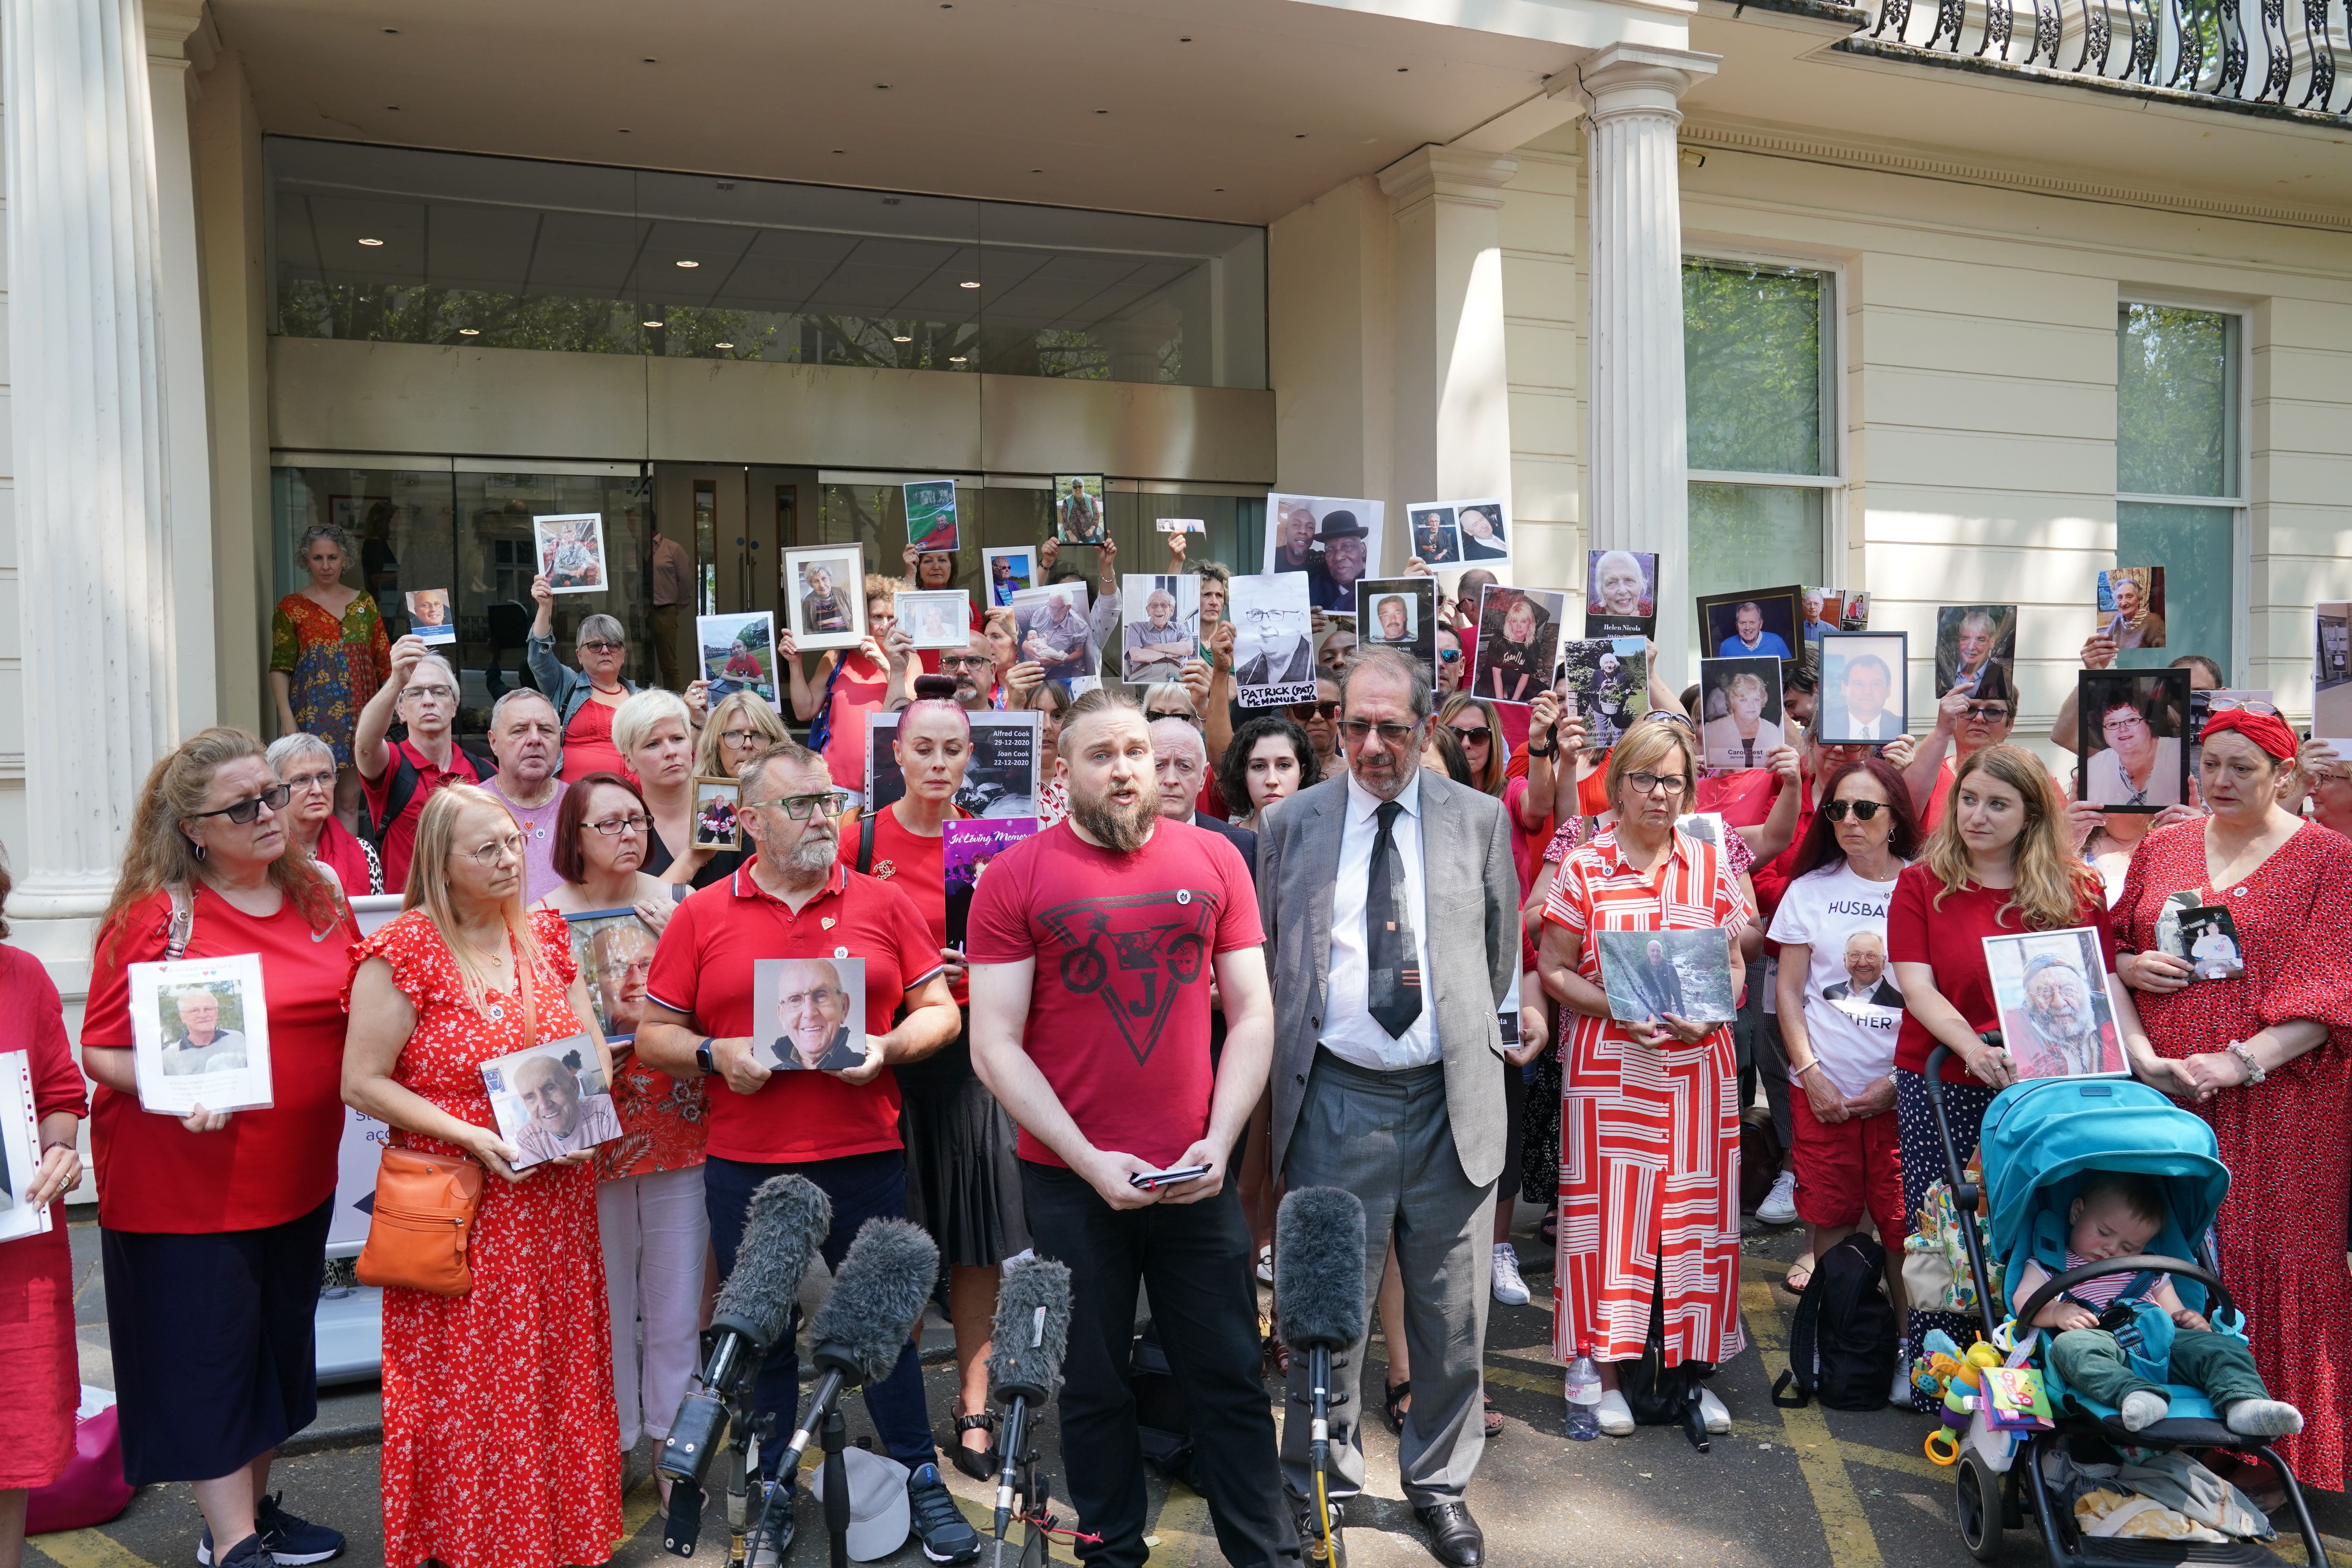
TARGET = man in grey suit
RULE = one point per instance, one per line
(1391, 912)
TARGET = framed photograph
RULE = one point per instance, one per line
(716, 825)
(1274, 648)
(2131, 606)
(1745, 626)
(1400, 613)
(430, 618)
(552, 1099)
(1159, 625)
(1481, 526)
(1865, 693)
(1650, 974)
(1181, 524)
(2134, 756)
(1000, 783)
(930, 514)
(200, 1035)
(20, 1149)
(1436, 537)
(1078, 509)
(2331, 676)
(2056, 1019)
(1740, 704)
(1855, 615)
(1972, 639)
(1009, 572)
(572, 552)
(965, 851)
(1824, 611)
(1621, 593)
(738, 654)
(808, 1014)
(1332, 541)
(935, 617)
(1606, 680)
(1518, 642)
(1051, 628)
(824, 595)
(614, 951)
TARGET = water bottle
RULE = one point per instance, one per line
(1583, 1396)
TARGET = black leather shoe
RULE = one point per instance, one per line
(1454, 1538)
(1311, 1534)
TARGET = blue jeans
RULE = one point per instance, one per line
(861, 1186)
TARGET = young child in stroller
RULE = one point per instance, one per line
(2116, 1214)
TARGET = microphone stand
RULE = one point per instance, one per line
(836, 1490)
(824, 1422)
(1318, 1447)
(1020, 1478)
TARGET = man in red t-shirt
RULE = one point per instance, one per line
(1092, 946)
(400, 776)
(839, 1128)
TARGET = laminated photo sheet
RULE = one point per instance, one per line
(20, 1149)
(1001, 780)
(1274, 649)
(965, 850)
(200, 1035)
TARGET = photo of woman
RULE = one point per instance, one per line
(1518, 641)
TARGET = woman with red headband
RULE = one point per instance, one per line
(2266, 1057)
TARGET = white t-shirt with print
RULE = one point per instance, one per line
(1853, 1035)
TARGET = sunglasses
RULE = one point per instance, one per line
(1449, 655)
(1312, 709)
(246, 810)
(1472, 735)
(1862, 810)
(1989, 712)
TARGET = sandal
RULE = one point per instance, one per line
(1395, 1407)
(1548, 1227)
(1799, 1275)
(980, 1467)
(1494, 1419)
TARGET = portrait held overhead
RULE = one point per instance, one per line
(2131, 606)
(1160, 619)
(1078, 517)
(572, 552)
(935, 619)
(1605, 681)
(811, 1012)
(2131, 755)
(431, 620)
(1865, 688)
(1052, 630)
(1008, 572)
(2056, 1017)
(1970, 641)
(1745, 626)
(1482, 530)
(1741, 721)
(738, 653)
(2331, 676)
(1518, 643)
(1657, 977)
(825, 596)
(551, 1100)
(1621, 593)
(1273, 649)
(1400, 613)
(1437, 539)
(1332, 541)
(1823, 609)
(930, 515)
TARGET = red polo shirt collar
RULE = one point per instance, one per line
(743, 885)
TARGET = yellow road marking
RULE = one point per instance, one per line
(643, 1504)
(86, 1549)
(1847, 1528)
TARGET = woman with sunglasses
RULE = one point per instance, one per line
(305, 765)
(585, 699)
(213, 1225)
(1839, 1010)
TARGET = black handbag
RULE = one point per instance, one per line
(1663, 1395)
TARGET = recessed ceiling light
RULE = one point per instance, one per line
(955, 359)
(722, 345)
(1220, 191)
(469, 332)
(650, 323)
(688, 265)
(1300, 137)
(881, 87)
(897, 338)
(1102, 111)
(970, 283)
(371, 242)
(1036, 171)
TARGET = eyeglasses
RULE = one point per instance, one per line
(801, 808)
(1863, 810)
(1360, 730)
(310, 780)
(498, 849)
(1668, 716)
(1472, 734)
(740, 737)
(1312, 709)
(2240, 705)
(1985, 713)
(1650, 784)
(614, 827)
(436, 692)
(600, 646)
(964, 662)
(246, 810)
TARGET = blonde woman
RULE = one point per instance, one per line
(501, 1448)
(738, 729)
(654, 731)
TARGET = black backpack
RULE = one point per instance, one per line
(405, 781)
(1163, 1415)
(1843, 1339)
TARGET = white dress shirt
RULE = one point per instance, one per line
(1349, 1032)
(1880, 726)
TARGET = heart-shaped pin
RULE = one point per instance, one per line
(828, 923)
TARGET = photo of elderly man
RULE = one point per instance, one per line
(813, 1015)
(203, 1045)
(564, 1117)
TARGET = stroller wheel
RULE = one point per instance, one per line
(1976, 1498)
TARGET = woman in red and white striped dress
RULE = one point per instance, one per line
(1649, 1189)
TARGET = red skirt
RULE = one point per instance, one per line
(40, 1374)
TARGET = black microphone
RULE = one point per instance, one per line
(878, 1297)
(788, 1220)
(1031, 1334)
(1318, 1294)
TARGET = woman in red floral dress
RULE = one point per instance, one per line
(500, 1445)
(2287, 885)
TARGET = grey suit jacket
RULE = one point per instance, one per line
(1473, 893)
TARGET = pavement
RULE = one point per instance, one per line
(1787, 1489)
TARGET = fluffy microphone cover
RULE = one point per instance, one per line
(1024, 1357)
(788, 1221)
(1319, 1267)
(878, 1294)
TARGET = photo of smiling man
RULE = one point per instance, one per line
(547, 1104)
(817, 1009)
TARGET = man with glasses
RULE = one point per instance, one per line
(400, 776)
(1392, 915)
(973, 670)
(528, 747)
(838, 1128)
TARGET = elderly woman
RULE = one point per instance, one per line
(738, 729)
(2139, 765)
(2265, 1058)
(213, 1225)
(585, 699)
(40, 1383)
(1742, 737)
(655, 736)
(305, 765)
(1649, 1110)
(1618, 585)
(1270, 758)
(530, 1475)
(328, 652)
(849, 683)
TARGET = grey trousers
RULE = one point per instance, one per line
(1384, 1136)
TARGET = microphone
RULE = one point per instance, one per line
(878, 1297)
(787, 1221)
(1031, 1334)
(1318, 1294)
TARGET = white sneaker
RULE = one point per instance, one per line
(1711, 1411)
(1901, 1392)
(1265, 1265)
(1779, 1204)
(1616, 1415)
(1509, 1288)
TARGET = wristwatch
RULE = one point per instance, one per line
(703, 1059)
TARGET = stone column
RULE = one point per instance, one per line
(85, 361)
(1453, 408)
(1639, 499)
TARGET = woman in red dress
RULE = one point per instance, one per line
(501, 1448)
(2266, 1058)
(40, 1378)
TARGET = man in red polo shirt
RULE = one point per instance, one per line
(1092, 946)
(400, 776)
(839, 1129)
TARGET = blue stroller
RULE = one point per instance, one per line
(2039, 1138)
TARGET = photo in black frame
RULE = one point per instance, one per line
(1865, 688)
(1775, 615)
(2132, 755)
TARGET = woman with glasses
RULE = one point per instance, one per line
(738, 729)
(2263, 1057)
(328, 652)
(655, 736)
(849, 683)
(306, 766)
(213, 1225)
(501, 1446)
(1839, 1009)
(1967, 721)
(1649, 1110)
(400, 776)
(585, 699)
